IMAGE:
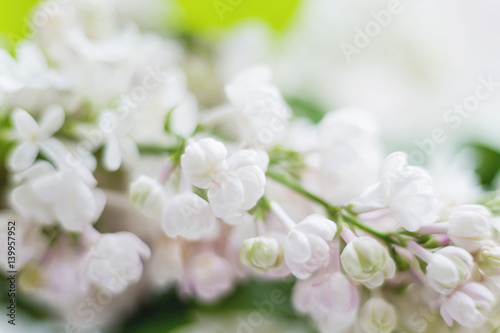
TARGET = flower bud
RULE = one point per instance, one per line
(202, 160)
(262, 253)
(467, 305)
(306, 246)
(488, 259)
(147, 195)
(366, 261)
(468, 227)
(114, 261)
(449, 268)
(377, 316)
(189, 216)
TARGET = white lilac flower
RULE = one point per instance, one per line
(468, 305)
(323, 294)
(350, 153)
(114, 261)
(202, 161)
(33, 136)
(262, 253)
(189, 216)
(234, 184)
(405, 190)
(366, 261)
(147, 195)
(118, 144)
(237, 190)
(47, 195)
(449, 268)
(208, 276)
(468, 227)
(262, 110)
(307, 245)
(27, 81)
(166, 264)
(377, 316)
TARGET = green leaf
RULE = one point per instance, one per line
(306, 109)
(488, 164)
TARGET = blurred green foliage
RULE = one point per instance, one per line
(488, 164)
(166, 312)
(193, 17)
(209, 15)
(14, 21)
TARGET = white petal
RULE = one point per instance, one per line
(24, 123)
(112, 155)
(226, 197)
(372, 198)
(254, 181)
(135, 243)
(55, 151)
(23, 156)
(48, 187)
(51, 121)
(318, 225)
(392, 167)
(28, 205)
(297, 247)
(100, 200)
(129, 150)
(77, 208)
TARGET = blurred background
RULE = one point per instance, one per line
(428, 71)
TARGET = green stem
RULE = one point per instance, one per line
(283, 180)
(333, 210)
(157, 150)
(386, 237)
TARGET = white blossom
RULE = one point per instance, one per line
(118, 144)
(28, 81)
(237, 190)
(203, 160)
(349, 153)
(114, 261)
(34, 137)
(209, 276)
(234, 183)
(189, 216)
(307, 245)
(48, 195)
(325, 293)
(468, 305)
(405, 190)
(262, 110)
